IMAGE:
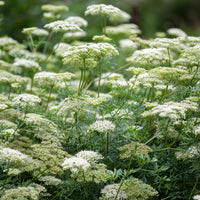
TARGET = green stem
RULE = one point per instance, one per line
(127, 173)
(100, 66)
(107, 144)
(50, 92)
(48, 39)
(32, 44)
(80, 83)
(53, 50)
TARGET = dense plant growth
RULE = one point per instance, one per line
(113, 118)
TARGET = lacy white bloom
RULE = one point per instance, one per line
(2, 105)
(54, 8)
(72, 35)
(168, 43)
(26, 100)
(90, 156)
(61, 48)
(149, 57)
(62, 26)
(120, 17)
(123, 29)
(104, 126)
(110, 191)
(75, 164)
(29, 64)
(49, 79)
(101, 38)
(197, 131)
(77, 20)
(50, 180)
(128, 45)
(13, 156)
(29, 30)
(95, 101)
(40, 32)
(91, 50)
(177, 32)
(196, 197)
(102, 9)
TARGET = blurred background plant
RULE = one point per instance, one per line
(150, 15)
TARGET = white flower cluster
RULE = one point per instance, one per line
(176, 32)
(62, 26)
(123, 29)
(197, 131)
(149, 57)
(8, 134)
(40, 32)
(26, 100)
(127, 45)
(61, 48)
(95, 101)
(13, 156)
(77, 20)
(75, 164)
(102, 9)
(54, 8)
(50, 180)
(90, 50)
(120, 17)
(29, 64)
(110, 191)
(104, 126)
(172, 110)
(72, 35)
(90, 156)
(49, 79)
(196, 197)
(6, 43)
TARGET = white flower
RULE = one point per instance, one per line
(29, 64)
(102, 9)
(13, 156)
(40, 32)
(54, 8)
(196, 197)
(177, 32)
(104, 126)
(128, 45)
(77, 20)
(110, 191)
(90, 156)
(62, 26)
(123, 29)
(120, 17)
(26, 100)
(75, 164)
(149, 57)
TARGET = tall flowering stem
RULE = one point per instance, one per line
(100, 66)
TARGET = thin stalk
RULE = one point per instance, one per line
(48, 39)
(127, 173)
(107, 144)
(170, 64)
(40, 173)
(32, 43)
(80, 83)
(100, 66)
(84, 71)
(53, 50)
(50, 92)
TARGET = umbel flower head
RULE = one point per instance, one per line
(77, 20)
(28, 64)
(104, 126)
(90, 50)
(26, 101)
(54, 8)
(49, 79)
(62, 26)
(102, 9)
(75, 164)
(90, 156)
